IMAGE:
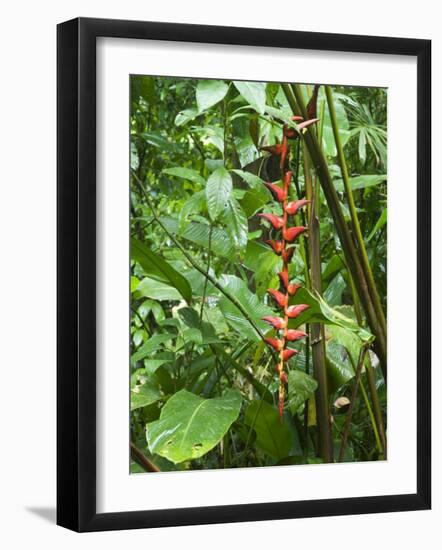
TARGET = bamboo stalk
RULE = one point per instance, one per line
(353, 214)
(294, 97)
(316, 330)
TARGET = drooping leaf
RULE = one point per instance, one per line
(273, 436)
(379, 224)
(190, 426)
(254, 93)
(209, 93)
(218, 190)
(236, 225)
(157, 268)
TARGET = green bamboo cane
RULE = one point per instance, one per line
(353, 214)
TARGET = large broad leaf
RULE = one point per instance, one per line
(254, 93)
(209, 92)
(235, 221)
(301, 387)
(189, 426)
(251, 304)
(273, 436)
(142, 395)
(218, 189)
(185, 173)
(158, 269)
(196, 204)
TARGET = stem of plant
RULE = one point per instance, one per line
(141, 459)
(348, 418)
(317, 333)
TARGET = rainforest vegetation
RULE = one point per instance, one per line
(258, 274)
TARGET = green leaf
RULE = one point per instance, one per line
(209, 93)
(143, 395)
(190, 426)
(235, 221)
(249, 301)
(255, 182)
(153, 344)
(361, 182)
(273, 436)
(196, 204)
(218, 189)
(254, 93)
(362, 147)
(150, 288)
(379, 224)
(157, 140)
(185, 173)
(185, 116)
(159, 270)
(301, 387)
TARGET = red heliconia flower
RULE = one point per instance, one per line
(276, 221)
(287, 353)
(279, 297)
(276, 246)
(311, 105)
(277, 322)
(295, 311)
(293, 335)
(293, 288)
(287, 254)
(294, 206)
(307, 123)
(279, 193)
(291, 233)
(284, 278)
(276, 149)
(275, 343)
(287, 179)
(284, 380)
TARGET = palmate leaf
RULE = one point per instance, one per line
(190, 426)
(218, 190)
(158, 269)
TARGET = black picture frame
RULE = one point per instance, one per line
(76, 274)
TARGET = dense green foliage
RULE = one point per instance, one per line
(203, 385)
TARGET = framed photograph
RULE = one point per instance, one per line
(243, 329)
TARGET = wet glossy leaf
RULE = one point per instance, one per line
(189, 426)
